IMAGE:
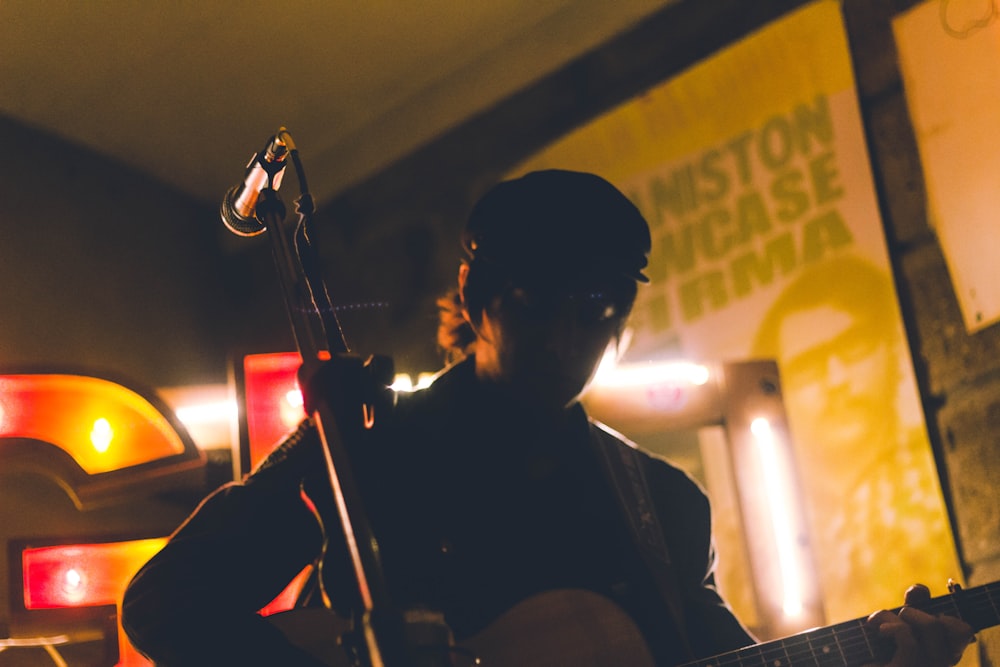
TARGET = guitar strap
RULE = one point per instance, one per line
(625, 471)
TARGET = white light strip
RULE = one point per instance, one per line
(404, 382)
(19, 642)
(205, 413)
(778, 499)
(641, 375)
(223, 413)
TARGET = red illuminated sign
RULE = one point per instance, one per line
(86, 575)
(272, 403)
(82, 575)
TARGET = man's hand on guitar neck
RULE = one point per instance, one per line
(922, 639)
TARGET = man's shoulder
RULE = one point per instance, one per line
(431, 415)
(660, 471)
(431, 397)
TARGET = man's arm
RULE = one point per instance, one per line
(196, 601)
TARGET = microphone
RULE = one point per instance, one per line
(265, 169)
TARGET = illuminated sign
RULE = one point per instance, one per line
(106, 447)
(272, 403)
(86, 575)
(102, 425)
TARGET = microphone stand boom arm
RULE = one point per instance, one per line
(314, 324)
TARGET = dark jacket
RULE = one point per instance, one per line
(475, 508)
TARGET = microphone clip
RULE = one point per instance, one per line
(264, 171)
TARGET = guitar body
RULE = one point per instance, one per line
(562, 628)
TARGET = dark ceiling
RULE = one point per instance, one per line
(187, 91)
(403, 114)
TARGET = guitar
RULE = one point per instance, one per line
(574, 628)
(853, 643)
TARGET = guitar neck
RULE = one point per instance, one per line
(855, 643)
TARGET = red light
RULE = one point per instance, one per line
(84, 575)
(287, 598)
(273, 400)
(89, 575)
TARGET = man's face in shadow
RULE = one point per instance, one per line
(545, 344)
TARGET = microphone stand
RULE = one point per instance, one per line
(320, 340)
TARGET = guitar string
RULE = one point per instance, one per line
(846, 640)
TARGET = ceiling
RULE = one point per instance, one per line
(187, 91)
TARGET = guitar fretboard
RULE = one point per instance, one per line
(855, 643)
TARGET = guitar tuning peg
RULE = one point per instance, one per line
(953, 586)
(917, 595)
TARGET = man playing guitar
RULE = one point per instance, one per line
(491, 490)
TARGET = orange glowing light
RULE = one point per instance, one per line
(101, 435)
(102, 425)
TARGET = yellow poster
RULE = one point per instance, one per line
(752, 170)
